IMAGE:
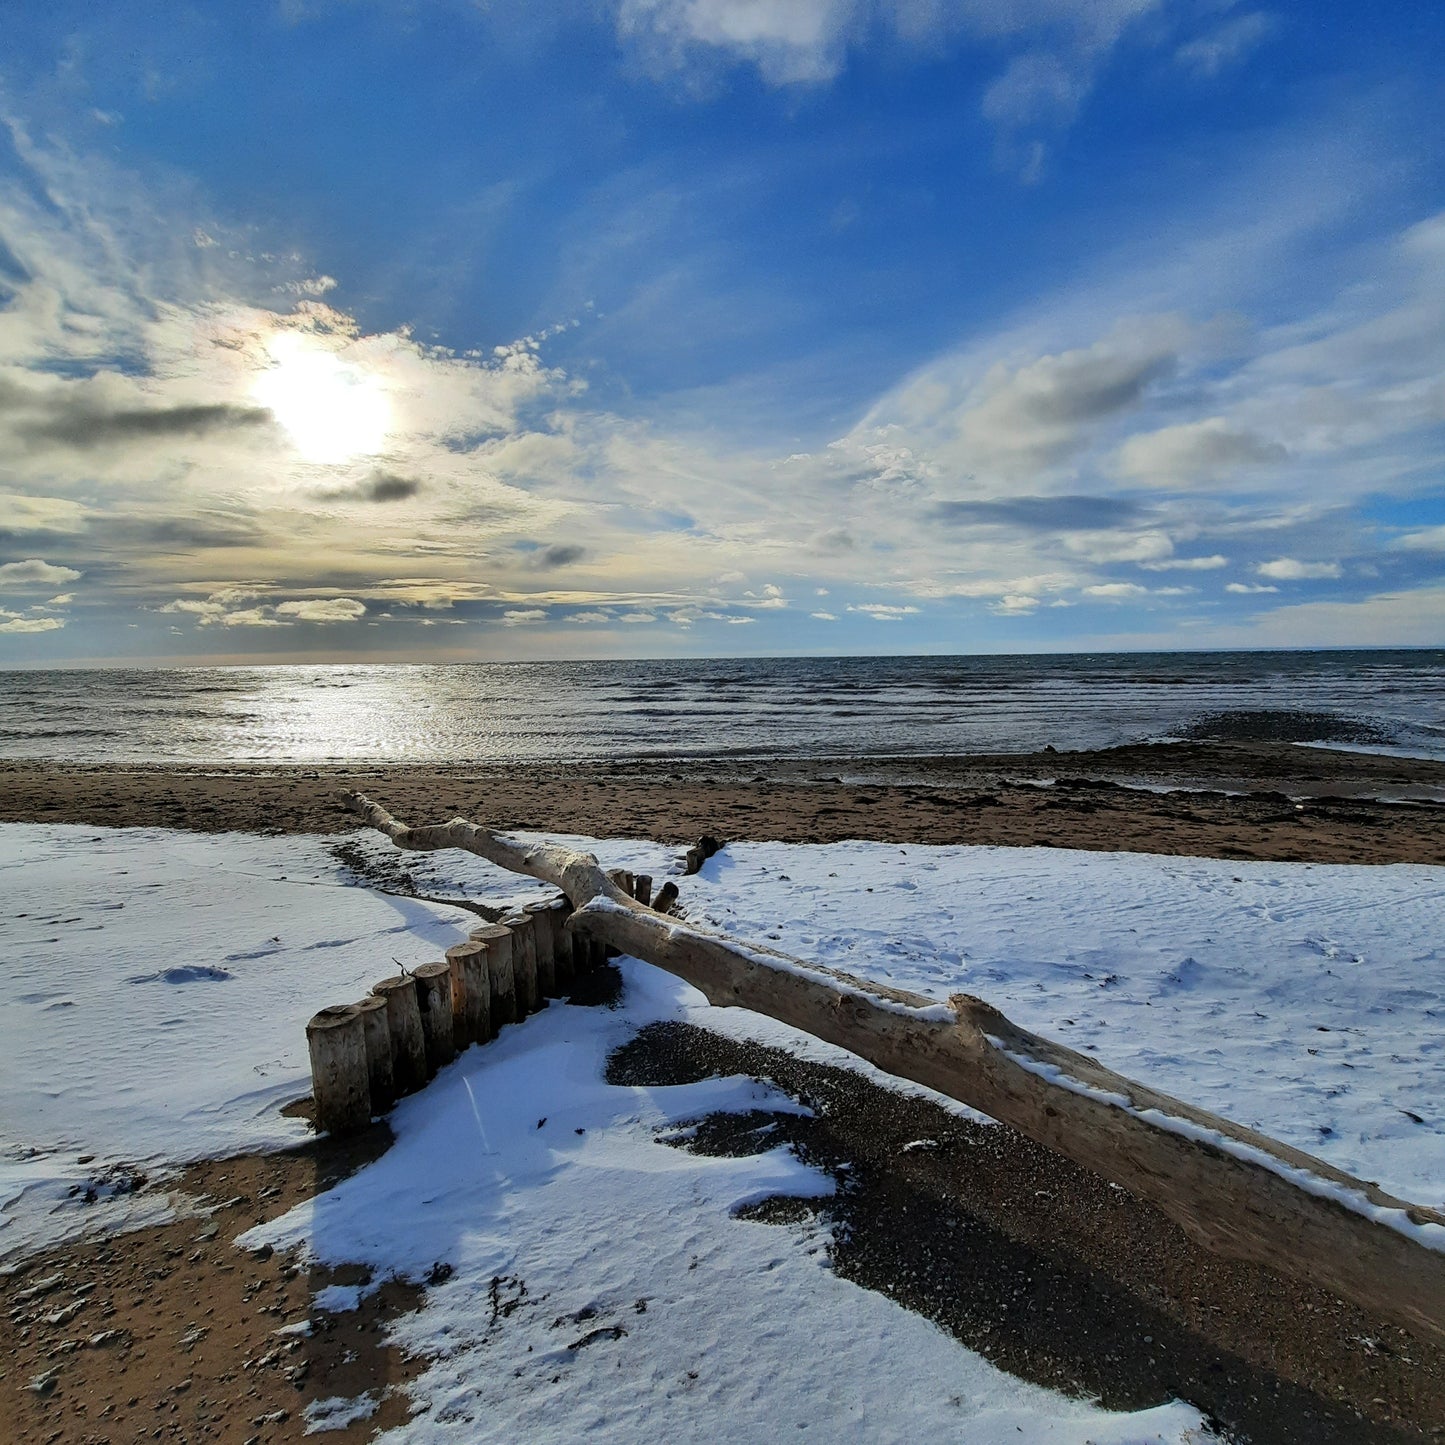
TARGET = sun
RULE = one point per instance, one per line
(332, 411)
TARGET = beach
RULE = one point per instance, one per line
(1278, 1359)
(1227, 800)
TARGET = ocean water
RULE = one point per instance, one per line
(862, 707)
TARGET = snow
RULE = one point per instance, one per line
(336, 1412)
(601, 1284)
(153, 988)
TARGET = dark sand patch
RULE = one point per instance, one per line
(1049, 1271)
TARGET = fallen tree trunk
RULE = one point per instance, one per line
(1234, 1190)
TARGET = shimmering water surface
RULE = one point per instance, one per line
(765, 708)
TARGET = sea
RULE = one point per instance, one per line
(764, 708)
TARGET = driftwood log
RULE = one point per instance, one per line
(1237, 1192)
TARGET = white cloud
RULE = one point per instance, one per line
(1387, 619)
(1195, 451)
(1116, 591)
(1248, 588)
(1014, 604)
(1225, 45)
(62, 599)
(40, 514)
(1060, 44)
(252, 617)
(637, 618)
(1121, 546)
(1289, 569)
(522, 616)
(771, 596)
(319, 609)
(824, 616)
(587, 618)
(883, 611)
(33, 572)
(32, 624)
(1023, 419)
(1432, 539)
(1187, 564)
(740, 621)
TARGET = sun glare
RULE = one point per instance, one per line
(332, 411)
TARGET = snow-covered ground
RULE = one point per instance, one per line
(153, 988)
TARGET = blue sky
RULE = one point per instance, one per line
(351, 328)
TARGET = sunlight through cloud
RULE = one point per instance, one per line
(332, 411)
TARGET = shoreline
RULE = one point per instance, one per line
(1265, 802)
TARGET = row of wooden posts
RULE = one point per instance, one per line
(367, 1055)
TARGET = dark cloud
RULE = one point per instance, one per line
(378, 487)
(388, 487)
(213, 530)
(550, 557)
(1042, 514)
(83, 428)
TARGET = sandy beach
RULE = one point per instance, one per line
(1225, 800)
(175, 1324)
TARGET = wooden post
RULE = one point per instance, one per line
(380, 1079)
(457, 989)
(693, 862)
(472, 1023)
(336, 1041)
(562, 946)
(642, 889)
(500, 974)
(541, 916)
(434, 998)
(524, 961)
(666, 897)
(403, 1021)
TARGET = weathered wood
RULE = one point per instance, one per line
(500, 975)
(434, 999)
(471, 993)
(403, 1020)
(377, 1031)
(524, 961)
(692, 861)
(336, 1041)
(562, 946)
(642, 889)
(1234, 1190)
(541, 915)
(457, 982)
(666, 897)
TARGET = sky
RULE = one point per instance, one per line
(422, 330)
